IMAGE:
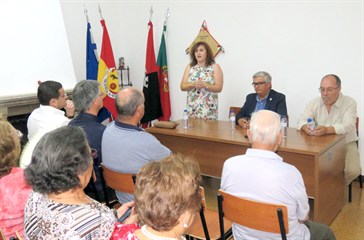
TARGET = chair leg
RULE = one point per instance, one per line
(350, 191)
(104, 188)
(361, 181)
(97, 196)
(204, 225)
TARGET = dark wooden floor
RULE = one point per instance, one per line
(348, 225)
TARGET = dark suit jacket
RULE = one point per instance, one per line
(275, 102)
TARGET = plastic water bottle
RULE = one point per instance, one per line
(185, 119)
(232, 119)
(284, 126)
(311, 125)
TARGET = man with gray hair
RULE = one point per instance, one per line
(263, 98)
(88, 100)
(125, 146)
(282, 183)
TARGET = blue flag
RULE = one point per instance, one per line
(92, 64)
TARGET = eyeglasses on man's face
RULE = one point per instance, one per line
(328, 90)
(255, 84)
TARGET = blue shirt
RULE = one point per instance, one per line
(126, 148)
(260, 103)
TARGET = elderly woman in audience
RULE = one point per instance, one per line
(167, 196)
(57, 207)
(14, 191)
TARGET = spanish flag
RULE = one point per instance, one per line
(107, 74)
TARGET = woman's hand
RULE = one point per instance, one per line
(133, 218)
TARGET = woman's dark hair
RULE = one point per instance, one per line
(57, 160)
(209, 56)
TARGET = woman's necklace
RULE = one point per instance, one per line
(155, 237)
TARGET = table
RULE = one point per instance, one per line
(319, 159)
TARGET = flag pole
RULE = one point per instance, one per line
(86, 12)
(100, 12)
(150, 13)
(167, 16)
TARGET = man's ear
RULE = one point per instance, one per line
(53, 102)
(249, 134)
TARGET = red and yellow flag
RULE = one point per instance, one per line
(107, 74)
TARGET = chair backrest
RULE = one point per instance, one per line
(261, 216)
(236, 110)
(122, 182)
(2, 237)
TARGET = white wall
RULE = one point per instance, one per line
(298, 42)
(34, 46)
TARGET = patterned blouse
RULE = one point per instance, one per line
(46, 219)
(202, 103)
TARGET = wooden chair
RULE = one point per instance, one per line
(122, 182)
(2, 236)
(236, 110)
(360, 176)
(265, 217)
(207, 225)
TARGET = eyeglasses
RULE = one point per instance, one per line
(328, 90)
(254, 84)
(64, 95)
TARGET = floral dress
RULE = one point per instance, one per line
(202, 103)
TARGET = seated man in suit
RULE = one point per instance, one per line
(88, 100)
(126, 147)
(282, 183)
(263, 98)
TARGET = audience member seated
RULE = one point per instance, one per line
(125, 146)
(88, 100)
(281, 183)
(48, 116)
(14, 191)
(263, 98)
(57, 207)
(203, 80)
(334, 113)
(167, 197)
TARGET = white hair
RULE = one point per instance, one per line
(264, 127)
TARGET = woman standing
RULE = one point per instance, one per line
(203, 79)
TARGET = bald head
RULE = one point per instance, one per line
(127, 101)
(265, 129)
